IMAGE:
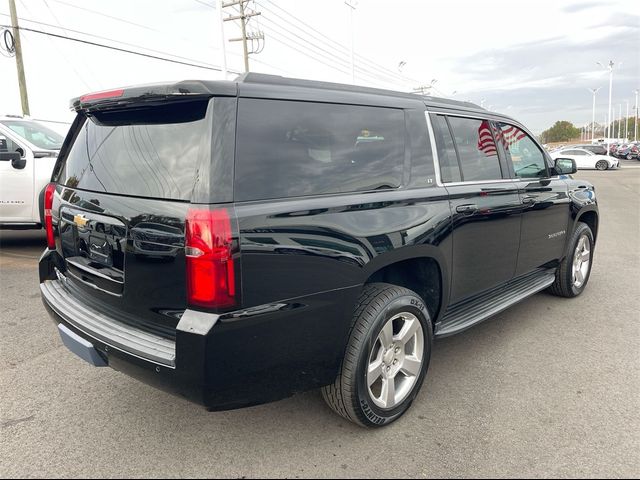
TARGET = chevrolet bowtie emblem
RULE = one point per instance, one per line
(80, 220)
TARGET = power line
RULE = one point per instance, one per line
(205, 4)
(326, 39)
(108, 39)
(324, 54)
(110, 47)
(378, 73)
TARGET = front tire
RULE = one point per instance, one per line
(602, 165)
(574, 271)
(386, 359)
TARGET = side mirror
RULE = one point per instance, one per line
(565, 166)
(14, 157)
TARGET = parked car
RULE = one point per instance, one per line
(28, 152)
(628, 151)
(587, 160)
(317, 236)
(593, 148)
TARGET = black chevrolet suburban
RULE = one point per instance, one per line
(238, 242)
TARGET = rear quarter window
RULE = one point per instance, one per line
(291, 149)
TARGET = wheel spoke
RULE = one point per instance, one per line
(579, 276)
(388, 395)
(409, 329)
(586, 254)
(411, 366)
(386, 335)
(374, 372)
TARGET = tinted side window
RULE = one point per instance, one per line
(476, 148)
(422, 169)
(528, 160)
(449, 168)
(573, 152)
(288, 149)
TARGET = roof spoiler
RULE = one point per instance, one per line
(149, 94)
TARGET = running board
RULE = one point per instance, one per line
(467, 313)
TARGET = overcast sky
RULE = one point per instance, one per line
(533, 61)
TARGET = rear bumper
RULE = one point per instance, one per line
(108, 330)
(239, 359)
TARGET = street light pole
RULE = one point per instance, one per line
(609, 115)
(626, 123)
(635, 125)
(619, 120)
(593, 113)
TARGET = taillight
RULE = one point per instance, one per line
(211, 279)
(48, 219)
(102, 95)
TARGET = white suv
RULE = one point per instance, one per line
(28, 152)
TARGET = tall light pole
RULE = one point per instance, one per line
(626, 123)
(619, 121)
(635, 125)
(593, 113)
(609, 113)
(352, 6)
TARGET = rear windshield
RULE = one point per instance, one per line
(148, 152)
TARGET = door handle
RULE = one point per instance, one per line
(528, 199)
(469, 208)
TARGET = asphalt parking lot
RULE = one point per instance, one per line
(550, 387)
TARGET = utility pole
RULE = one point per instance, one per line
(243, 17)
(426, 89)
(22, 82)
(352, 6)
(223, 43)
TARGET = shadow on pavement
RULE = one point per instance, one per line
(22, 238)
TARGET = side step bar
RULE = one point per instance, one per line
(465, 314)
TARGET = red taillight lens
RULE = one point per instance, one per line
(48, 219)
(101, 95)
(211, 279)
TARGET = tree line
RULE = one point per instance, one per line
(563, 131)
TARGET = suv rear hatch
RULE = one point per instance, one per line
(128, 173)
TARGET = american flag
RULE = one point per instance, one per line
(485, 140)
(508, 135)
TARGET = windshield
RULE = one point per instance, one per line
(34, 133)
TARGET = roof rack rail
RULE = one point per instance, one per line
(263, 78)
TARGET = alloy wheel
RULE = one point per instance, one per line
(581, 262)
(395, 360)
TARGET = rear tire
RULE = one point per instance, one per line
(573, 274)
(386, 358)
(602, 165)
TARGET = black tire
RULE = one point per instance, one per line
(602, 165)
(349, 394)
(564, 285)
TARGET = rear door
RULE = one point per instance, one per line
(16, 182)
(125, 186)
(545, 199)
(485, 204)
